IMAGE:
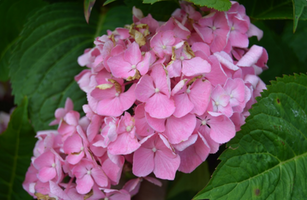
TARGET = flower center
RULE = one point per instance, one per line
(188, 90)
(82, 148)
(133, 66)
(232, 28)
(116, 94)
(163, 47)
(204, 122)
(53, 165)
(157, 90)
(154, 149)
(217, 103)
(88, 172)
(231, 96)
(128, 128)
(181, 58)
(213, 28)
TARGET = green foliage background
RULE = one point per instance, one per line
(40, 43)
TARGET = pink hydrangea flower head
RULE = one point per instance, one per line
(161, 97)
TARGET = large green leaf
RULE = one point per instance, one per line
(13, 15)
(45, 61)
(221, 5)
(268, 158)
(16, 149)
(185, 186)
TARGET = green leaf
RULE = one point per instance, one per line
(221, 5)
(268, 9)
(185, 186)
(282, 58)
(45, 61)
(298, 8)
(88, 6)
(304, 14)
(115, 17)
(108, 1)
(297, 41)
(267, 159)
(13, 15)
(16, 149)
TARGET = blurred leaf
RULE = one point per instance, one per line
(297, 41)
(16, 149)
(268, 9)
(45, 61)
(115, 17)
(108, 1)
(282, 59)
(13, 15)
(267, 159)
(298, 8)
(4, 63)
(221, 5)
(88, 5)
(185, 186)
(160, 11)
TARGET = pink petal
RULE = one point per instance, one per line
(153, 180)
(44, 160)
(217, 74)
(183, 105)
(143, 162)
(133, 54)
(128, 98)
(84, 184)
(174, 69)
(200, 96)
(160, 106)
(226, 60)
(99, 177)
(183, 145)
(238, 39)
(143, 66)
(123, 145)
(75, 158)
(73, 144)
(222, 129)
(251, 57)
(254, 31)
(144, 88)
(110, 107)
(156, 124)
(46, 174)
(165, 167)
(180, 129)
(112, 170)
(119, 67)
(195, 66)
(141, 124)
(160, 79)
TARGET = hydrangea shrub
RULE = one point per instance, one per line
(161, 97)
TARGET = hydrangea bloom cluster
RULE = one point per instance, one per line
(161, 98)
